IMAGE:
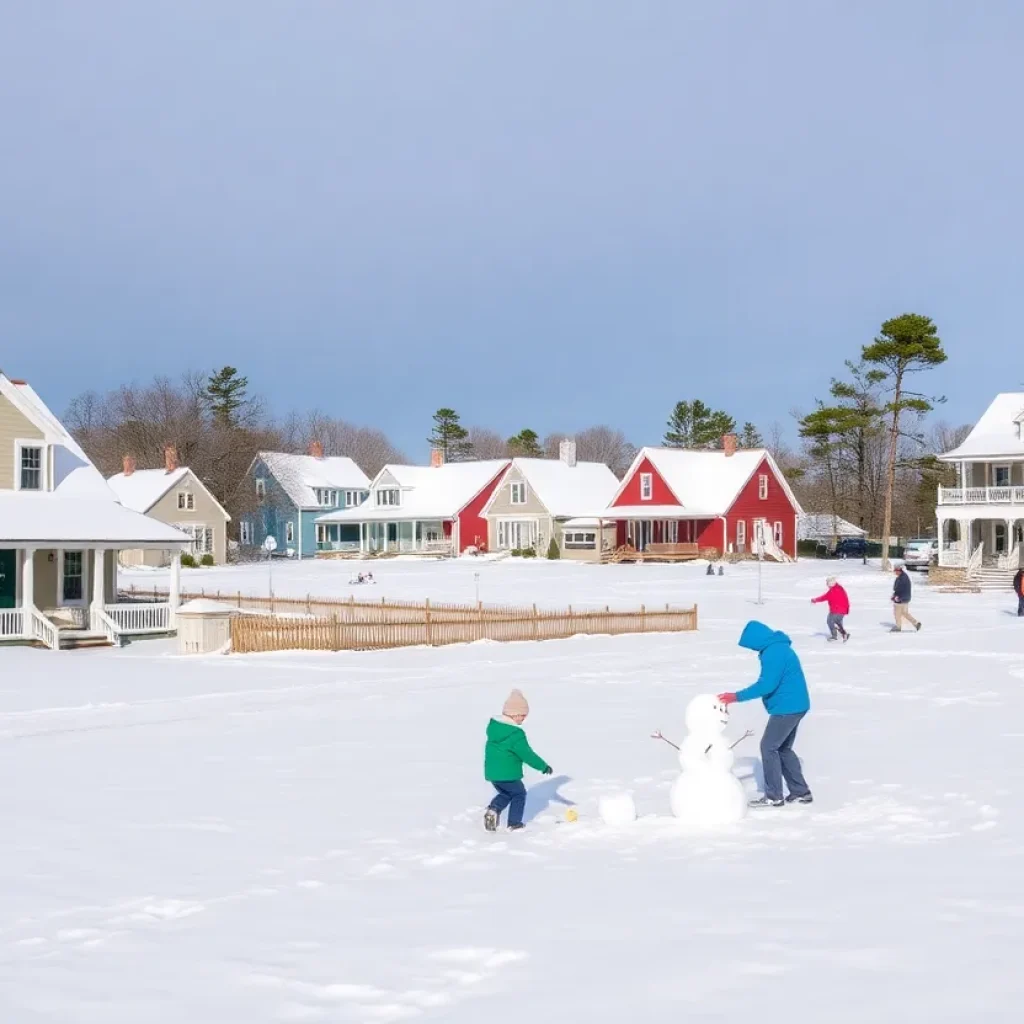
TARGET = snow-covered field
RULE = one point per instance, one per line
(298, 837)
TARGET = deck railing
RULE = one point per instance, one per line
(981, 495)
(151, 617)
(12, 623)
(44, 630)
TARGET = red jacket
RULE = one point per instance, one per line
(838, 600)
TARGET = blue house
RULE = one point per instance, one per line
(291, 491)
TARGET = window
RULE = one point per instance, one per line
(289, 533)
(1000, 476)
(72, 587)
(31, 465)
(389, 496)
(646, 486)
(762, 487)
(777, 533)
(202, 537)
(672, 532)
(186, 501)
(519, 493)
(261, 487)
(354, 498)
(580, 540)
(245, 533)
(321, 533)
(741, 535)
(326, 497)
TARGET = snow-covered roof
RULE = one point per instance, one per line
(299, 475)
(997, 434)
(822, 526)
(428, 492)
(565, 490)
(706, 483)
(142, 489)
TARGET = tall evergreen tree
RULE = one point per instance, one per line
(750, 437)
(526, 444)
(225, 394)
(906, 344)
(450, 437)
(696, 425)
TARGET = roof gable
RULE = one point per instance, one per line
(145, 487)
(997, 433)
(300, 475)
(562, 489)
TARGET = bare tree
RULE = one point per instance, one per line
(487, 444)
(368, 447)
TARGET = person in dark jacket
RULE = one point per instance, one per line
(1018, 589)
(901, 593)
(783, 691)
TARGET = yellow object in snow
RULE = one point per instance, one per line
(571, 814)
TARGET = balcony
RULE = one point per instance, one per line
(981, 496)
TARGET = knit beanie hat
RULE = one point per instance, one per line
(831, 581)
(515, 705)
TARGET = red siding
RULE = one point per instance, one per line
(710, 533)
(777, 507)
(472, 525)
(660, 495)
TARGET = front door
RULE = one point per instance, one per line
(8, 578)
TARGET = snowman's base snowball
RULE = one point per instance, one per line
(708, 798)
(616, 809)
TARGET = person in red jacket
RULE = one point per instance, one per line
(838, 608)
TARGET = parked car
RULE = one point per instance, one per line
(851, 547)
(917, 554)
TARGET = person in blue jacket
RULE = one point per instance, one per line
(783, 691)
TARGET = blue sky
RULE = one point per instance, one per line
(541, 214)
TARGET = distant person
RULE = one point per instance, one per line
(901, 593)
(838, 608)
(505, 753)
(1018, 589)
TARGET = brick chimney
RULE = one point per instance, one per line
(129, 465)
(316, 449)
(170, 458)
(436, 458)
(567, 452)
(729, 445)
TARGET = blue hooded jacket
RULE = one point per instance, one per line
(781, 685)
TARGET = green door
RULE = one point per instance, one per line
(8, 579)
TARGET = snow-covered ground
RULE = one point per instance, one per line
(298, 837)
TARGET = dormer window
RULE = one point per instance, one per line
(389, 496)
(326, 498)
(186, 501)
(261, 487)
(30, 467)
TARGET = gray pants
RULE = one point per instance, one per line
(835, 622)
(778, 758)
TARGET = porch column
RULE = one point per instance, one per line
(99, 578)
(599, 554)
(415, 524)
(28, 590)
(174, 597)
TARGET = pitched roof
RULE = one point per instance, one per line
(815, 525)
(298, 475)
(563, 489)
(428, 492)
(145, 487)
(707, 483)
(996, 433)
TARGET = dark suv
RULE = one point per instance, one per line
(851, 547)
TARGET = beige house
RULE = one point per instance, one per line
(176, 496)
(538, 499)
(60, 531)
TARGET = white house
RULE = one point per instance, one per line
(61, 528)
(174, 495)
(538, 499)
(979, 520)
(824, 528)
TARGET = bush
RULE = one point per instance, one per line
(527, 553)
(207, 560)
(554, 551)
(188, 561)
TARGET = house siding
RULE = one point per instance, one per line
(776, 507)
(532, 510)
(13, 426)
(472, 524)
(661, 493)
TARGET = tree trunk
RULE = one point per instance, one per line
(890, 469)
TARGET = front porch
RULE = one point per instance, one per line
(977, 536)
(67, 597)
(380, 537)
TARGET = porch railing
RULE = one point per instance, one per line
(140, 618)
(44, 630)
(1011, 560)
(101, 622)
(974, 562)
(12, 623)
(981, 495)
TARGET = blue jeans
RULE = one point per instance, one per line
(513, 796)
(1020, 604)
(778, 758)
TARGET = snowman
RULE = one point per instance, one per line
(707, 793)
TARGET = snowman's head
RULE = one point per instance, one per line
(706, 715)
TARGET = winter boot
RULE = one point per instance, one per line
(846, 636)
(917, 628)
(805, 799)
(491, 820)
(766, 801)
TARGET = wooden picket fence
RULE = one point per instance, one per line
(262, 633)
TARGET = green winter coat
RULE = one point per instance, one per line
(506, 750)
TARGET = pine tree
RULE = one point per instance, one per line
(696, 425)
(526, 445)
(553, 549)
(907, 344)
(225, 394)
(450, 437)
(750, 437)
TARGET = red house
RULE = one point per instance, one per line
(712, 498)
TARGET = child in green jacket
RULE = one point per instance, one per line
(506, 751)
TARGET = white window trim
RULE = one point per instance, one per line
(1009, 473)
(245, 533)
(44, 482)
(189, 503)
(261, 487)
(289, 532)
(762, 486)
(518, 487)
(777, 533)
(84, 599)
(741, 532)
(647, 485)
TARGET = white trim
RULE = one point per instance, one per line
(778, 533)
(245, 532)
(646, 486)
(289, 532)
(524, 497)
(741, 534)
(186, 501)
(20, 443)
(81, 602)
(261, 486)
(762, 486)
(996, 466)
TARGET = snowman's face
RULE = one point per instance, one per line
(706, 715)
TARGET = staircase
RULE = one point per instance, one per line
(989, 576)
(82, 639)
